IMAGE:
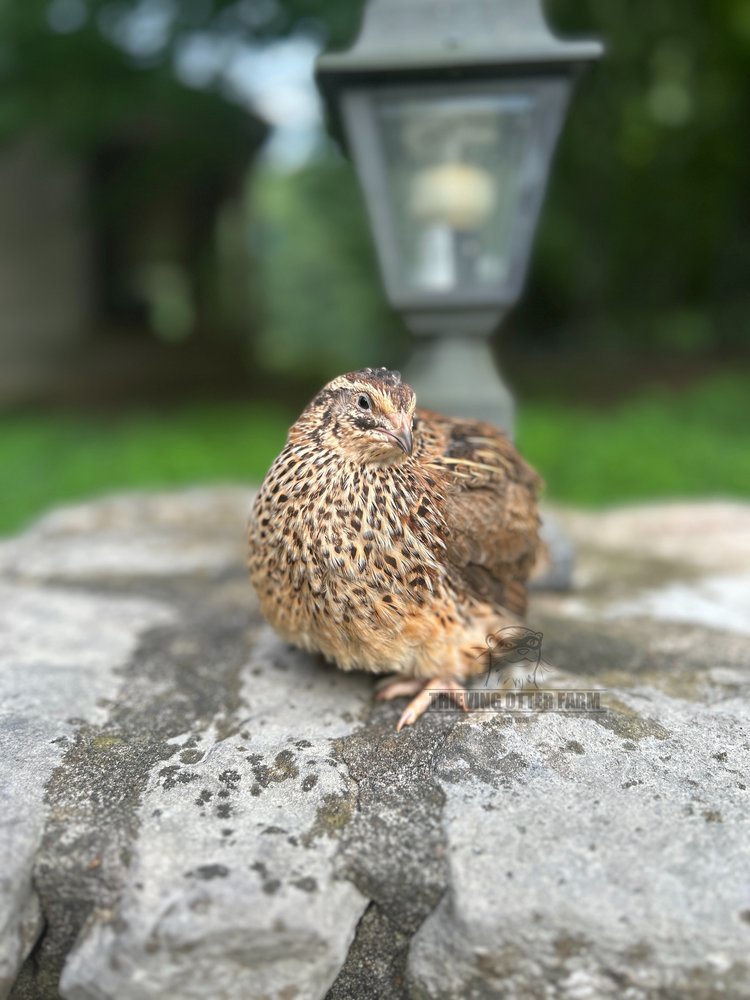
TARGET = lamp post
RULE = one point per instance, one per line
(450, 110)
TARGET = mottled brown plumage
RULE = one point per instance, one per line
(391, 539)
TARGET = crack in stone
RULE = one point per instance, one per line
(399, 867)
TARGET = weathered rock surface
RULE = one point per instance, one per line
(190, 809)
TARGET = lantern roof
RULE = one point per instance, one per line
(480, 37)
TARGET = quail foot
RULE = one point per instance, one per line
(392, 539)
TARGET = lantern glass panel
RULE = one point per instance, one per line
(454, 178)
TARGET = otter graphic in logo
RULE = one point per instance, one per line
(514, 657)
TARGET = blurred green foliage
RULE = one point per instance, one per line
(85, 70)
(66, 72)
(323, 309)
(661, 444)
(643, 238)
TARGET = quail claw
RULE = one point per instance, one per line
(407, 717)
(436, 685)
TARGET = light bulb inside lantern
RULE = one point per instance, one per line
(458, 195)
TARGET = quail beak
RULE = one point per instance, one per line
(400, 431)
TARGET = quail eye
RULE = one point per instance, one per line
(363, 403)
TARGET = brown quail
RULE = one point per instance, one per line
(393, 539)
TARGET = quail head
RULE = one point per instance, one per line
(392, 539)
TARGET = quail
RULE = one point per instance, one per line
(393, 539)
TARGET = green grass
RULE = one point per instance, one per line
(660, 444)
(690, 443)
(46, 460)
